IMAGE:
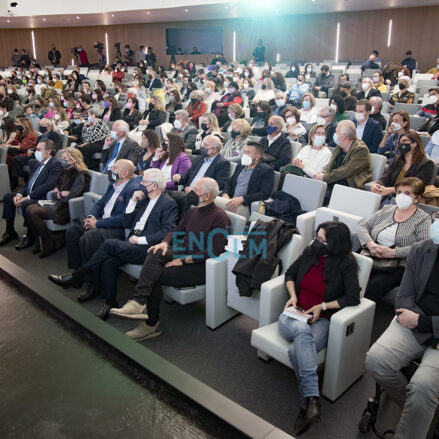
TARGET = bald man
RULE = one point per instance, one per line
(105, 220)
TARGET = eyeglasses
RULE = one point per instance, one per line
(320, 239)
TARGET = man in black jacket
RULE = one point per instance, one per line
(252, 181)
(276, 145)
(54, 56)
(209, 164)
(42, 180)
(153, 81)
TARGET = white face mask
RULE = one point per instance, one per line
(403, 201)
(359, 117)
(319, 141)
(280, 103)
(246, 86)
(177, 124)
(364, 86)
(396, 126)
(321, 121)
(207, 90)
(291, 120)
(334, 107)
(373, 110)
(246, 160)
(39, 156)
(57, 116)
(432, 99)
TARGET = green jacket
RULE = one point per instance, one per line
(356, 167)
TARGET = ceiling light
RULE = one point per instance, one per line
(148, 13)
(226, 7)
(112, 15)
(8, 21)
(44, 19)
(77, 18)
(186, 10)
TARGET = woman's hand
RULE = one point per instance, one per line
(315, 311)
(384, 252)
(292, 301)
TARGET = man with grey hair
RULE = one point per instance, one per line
(277, 147)
(119, 146)
(326, 118)
(184, 129)
(350, 164)
(280, 102)
(210, 163)
(150, 214)
(179, 260)
(375, 112)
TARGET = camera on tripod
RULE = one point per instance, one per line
(75, 50)
(98, 46)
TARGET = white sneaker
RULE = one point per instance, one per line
(131, 310)
(143, 331)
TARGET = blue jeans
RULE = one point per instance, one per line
(307, 341)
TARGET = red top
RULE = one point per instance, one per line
(312, 287)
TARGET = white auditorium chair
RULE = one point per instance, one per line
(349, 334)
(5, 186)
(409, 108)
(223, 304)
(348, 205)
(416, 122)
(295, 148)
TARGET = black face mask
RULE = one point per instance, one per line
(164, 146)
(113, 177)
(193, 100)
(204, 153)
(235, 134)
(404, 148)
(318, 248)
(19, 128)
(43, 130)
(260, 114)
(151, 106)
(264, 86)
(143, 189)
(204, 126)
(401, 86)
(192, 198)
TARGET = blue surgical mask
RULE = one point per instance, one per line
(113, 135)
(39, 156)
(336, 139)
(90, 119)
(51, 105)
(306, 104)
(271, 129)
(77, 121)
(319, 141)
(434, 232)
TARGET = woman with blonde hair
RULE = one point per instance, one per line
(234, 148)
(155, 115)
(234, 111)
(72, 183)
(210, 94)
(209, 127)
(61, 120)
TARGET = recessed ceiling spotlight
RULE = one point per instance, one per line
(186, 10)
(8, 21)
(112, 15)
(44, 19)
(148, 13)
(226, 7)
(77, 17)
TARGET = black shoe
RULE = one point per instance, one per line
(8, 237)
(302, 424)
(313, 409)
(104, 312)
(25, 243)
(64, 280)
(86, 295)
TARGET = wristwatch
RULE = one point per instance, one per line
(324, 308)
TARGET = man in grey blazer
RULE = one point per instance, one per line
(184, 129)
(119, 146)
(413, 335)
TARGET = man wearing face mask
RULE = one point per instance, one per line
(186, 131)
(208, 164)
(297, 89)
(118, 145)
(153, 81)
(277, 147)
(375, 112)
(368, 90)
(150, 214)
(43, 179)
(105, 220)
(413, 334)
(350, 164)
(280, 101)
(368, 130)
(175, 261)
(326, 117)
(252, 181)
(74, 131)
(430, 109)
(324, 81)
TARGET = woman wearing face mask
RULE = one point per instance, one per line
(155, 115)
(97, 101)
(52, 104)
(266, 93)
(233, 96)
(337, 103)
(248, 90)
(308, 71)
(12, 93)
(209, 126)
(260, 122)
(30, 96)
(40, 85)
(312, 158)
(378, 81)
(72, 183)
(234, 112)
(308, 112)
(293, 126)
(234, 148)
(173, 104)
(321, 281)
(149, 144)
(293, 72)
(403, 95)
(196, 107)
(210, 94)
(410, 161)
(389, 234)
(131, 114)
(399, 125)
(111, 110)
(279, 81)
(9, 131)
(172, 159)
(61, 120)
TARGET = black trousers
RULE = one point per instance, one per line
(88, 150)
(82, 244)
(154, 274)
(381, 283)
(9, 212)
(104, 265)
(36, 215)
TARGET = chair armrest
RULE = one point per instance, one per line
(272, 300)
(305, 223)
(76, 207)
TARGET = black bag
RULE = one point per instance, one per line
(284, 206)
(381, 265)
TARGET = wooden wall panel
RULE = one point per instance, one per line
(294, 37)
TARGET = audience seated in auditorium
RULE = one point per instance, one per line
(150, 214)
(209, 127)
(260, 122)
(296, 90)
(131, 114)
(234, 148)
(430, 109)
(321, 281)
(375, 112)
(293, 126)
(252, 180)
(403, 95)
(389, 233)
(208, 164)
(324, 81)
(42, 179)
(308, 112)
(368, 130)
(163, 266)
(399, 125)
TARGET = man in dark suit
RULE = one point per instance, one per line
(42, 180)
(185, 130)
(105, 220)
(252, 181)
(367, 90)
(119, 146)
(368, 130)
(153, 81)
(54, 56)
(150, 215)
(209, 164)
(276, 145)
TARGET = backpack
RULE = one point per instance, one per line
(284, 206)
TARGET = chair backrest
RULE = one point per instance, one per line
(276, 181)
(429, 209)
(378, 164)
(354, 201)
(416, 122)
(309, 192)
(233, 166)
(98, 182)
(3, 154)
(238, 222)
(410, 108)
(385, 107)
(90, 199)
(295, 148)
(364, 267)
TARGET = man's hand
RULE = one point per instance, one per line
(108, 141)
(17, 200)
(226, 196)
(188, 189)
(133, 239)
(318, 176)
(174, 263)
(137, 196)
(176, 178)
(407, 318)
(81, 145)
(163, 246)
(315, 311)
(234, 203)
(90, 223)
